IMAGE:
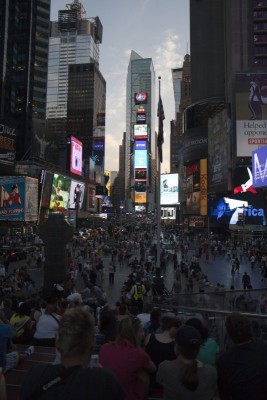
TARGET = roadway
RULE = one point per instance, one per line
(217, 271)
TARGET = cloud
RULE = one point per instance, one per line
(165, 57)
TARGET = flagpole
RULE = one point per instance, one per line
(158, 205)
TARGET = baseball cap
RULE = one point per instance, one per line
(187, 335)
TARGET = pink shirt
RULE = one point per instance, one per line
(125, 361)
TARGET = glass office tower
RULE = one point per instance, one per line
(24, 33)
(74, 40)
(140, 137)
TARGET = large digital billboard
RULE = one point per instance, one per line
(140, 145)
(140, 159)
(18, 198)
(60, 193)
(140, 174)
(251, 113)
(168, 213)
(259, 167)
(76, 156)
(244, 206)
(98, 146)
(169, 189)
(76, 194)
(140, 97)
(140, 131)
(140, 197)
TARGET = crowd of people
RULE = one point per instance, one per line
(154, 354)
(171, 357)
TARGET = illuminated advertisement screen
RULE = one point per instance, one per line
(140, 159)
(245, 205)
(76, 194)
(140, 145)
(169, 189)
(12, 198)
(140, 117)
(98, 146)
(106, 201)
(140, 186)
(140, 197)
(140, 131)
(60, 193)
(76, 156)
(140, 208)
(251, 113)
(195, 221)
(140, 98)
(168, 213)
(259, 167)
(140, 174)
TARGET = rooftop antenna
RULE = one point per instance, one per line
(77, 5)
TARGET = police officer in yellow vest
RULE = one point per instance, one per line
(138, 292)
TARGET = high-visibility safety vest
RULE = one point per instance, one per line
(138, 291)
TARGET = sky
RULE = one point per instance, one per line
(152, 28)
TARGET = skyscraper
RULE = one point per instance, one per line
(229, 58)
(182, 94)
(140, 132)
(24, 35)
(76, 92)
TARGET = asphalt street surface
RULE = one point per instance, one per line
(217, 270)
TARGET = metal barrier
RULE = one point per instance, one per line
(213, 311)
(251, 301)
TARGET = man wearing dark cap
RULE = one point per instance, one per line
(242, 370)
(187, 378)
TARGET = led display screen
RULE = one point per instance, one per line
(98, 146)
(140, 186)
(168, 213)
(76, 156)
(245, 205)
(140, 118)
(140, 159)
(76, 194)
(140, 98)
(140, 174)
(259, 167)
(140, 131)
(169, 189)
(140, 145)
(140, 197)
(60, 193)
(140, 208)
